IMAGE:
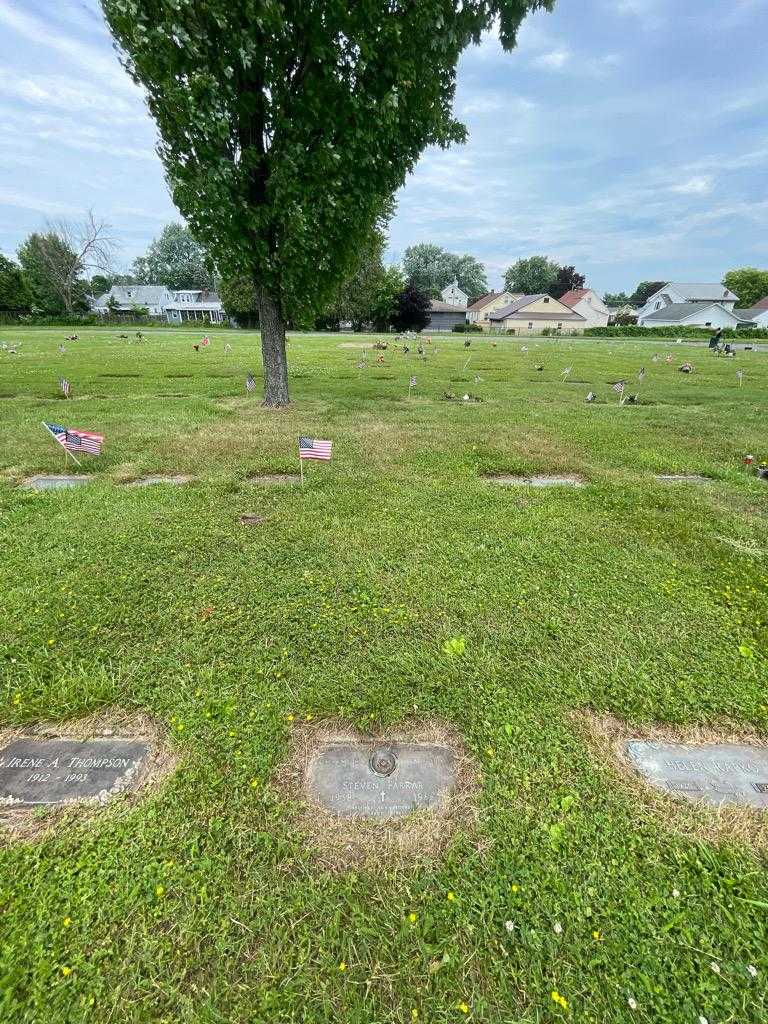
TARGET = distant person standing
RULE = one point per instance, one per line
(714, 341)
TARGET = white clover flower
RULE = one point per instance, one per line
(675, 893)
(703, 1020)
(751, 969)
(509, 925)
(715, 967)
(558, 929)
(632, 1003)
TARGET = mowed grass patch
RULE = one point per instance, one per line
(202, 902)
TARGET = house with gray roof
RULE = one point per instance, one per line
(534, 314)
(695, 314)
(444, 315)
(175, 306)
(676, 293)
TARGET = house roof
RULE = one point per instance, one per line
(516, 308)
(751, 313)
(677, 311)
(483, 301)
(436, 306)
(574, 295)
(762, 304)
(519, 303)
(705, 292)
(141, 294)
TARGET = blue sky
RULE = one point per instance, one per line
(628, 137)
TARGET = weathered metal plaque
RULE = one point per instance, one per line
(55, 481)
(57, 771)
(381, 780)
(682, 478)
(538, 481)
(716, 773)
(149, 481)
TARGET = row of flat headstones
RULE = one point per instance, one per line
(57, 481)
(357, 779)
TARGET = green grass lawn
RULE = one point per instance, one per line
(202, 902)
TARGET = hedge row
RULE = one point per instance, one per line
(634, 331)
(97, 320)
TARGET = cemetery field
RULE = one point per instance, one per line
(398, 587)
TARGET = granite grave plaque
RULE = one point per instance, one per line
(150, 481)
(381, 781)
(54, 481)
(57, 771)
(715, 773)
(682, 478)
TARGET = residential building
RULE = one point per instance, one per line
(172, 305)
(757, 314)
(676, 293)
(532, 314)
(454, 296)
(479, 312)
(588, 303)
(695, 314)
(444, 315)
(189, 304)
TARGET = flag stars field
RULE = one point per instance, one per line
(394, 586)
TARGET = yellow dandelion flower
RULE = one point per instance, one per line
(342, 966)
(309, 718)
(254, 783)
(412, 918)
(515, 888)
(289, 718)
(451, 897)
(414, 1014)
(463, 1008)
(66, 970)
(596, 935)
(67, 922)
(159, 891)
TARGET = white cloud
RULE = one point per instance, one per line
(698, 185)
(25, 202)
(555, 60)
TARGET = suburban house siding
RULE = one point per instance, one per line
(533, 314)
(444, 315)
(479, 312)
(588, 304)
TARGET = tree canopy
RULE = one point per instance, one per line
(644, 291)
(175, 260)
(616, 299)
(412, 311)
(52, 274)
(284, 127)
(749, 283)
(13, 290)
(568, 279)
(431, 268)
(532, 276)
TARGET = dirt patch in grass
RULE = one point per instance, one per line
(342, 843)
(26, 824)
(607, 736)
(355, 344)
(251, 519)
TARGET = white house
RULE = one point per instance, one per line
(694, 314)
(173, 305)
(588, 303)
(454, 296)
(676, 293)
(480, 311)
(757, 314)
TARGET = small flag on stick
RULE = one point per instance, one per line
(205, 341)
(411, 385)
(62, 349)
(80, 441)
(641, 375)
(313, 448)
(618, 387)
(250, 383)
(739, 376)
(64, 386)
(567, 372)
(227, 348)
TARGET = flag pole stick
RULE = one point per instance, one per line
(301, 467)
(66, 453)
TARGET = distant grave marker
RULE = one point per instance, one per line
(380, 780)
(714, 773)
(682, 478)
(507, 480)
(148, 481)
(56, 771)
(273, 479)
(250, 519)
(54, 481)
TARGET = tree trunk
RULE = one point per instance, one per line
(273, 351)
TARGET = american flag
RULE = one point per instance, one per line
(412, 382)
(62, 349)
(76, 440)
(313, 448)
(64, 385)
(618, 387)
(227, 348)
(250, 383)
(206, 341)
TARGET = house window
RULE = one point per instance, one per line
(658, 305)
(546, 298)
(530, 325)
(559, 327)
(708, 323)
(129, 294)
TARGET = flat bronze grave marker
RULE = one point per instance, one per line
(380, 780)
(682, 478)
(58, 771)
(714, 773)
(54, 481)
(536, 481)
(149, 481)
(274, 479)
